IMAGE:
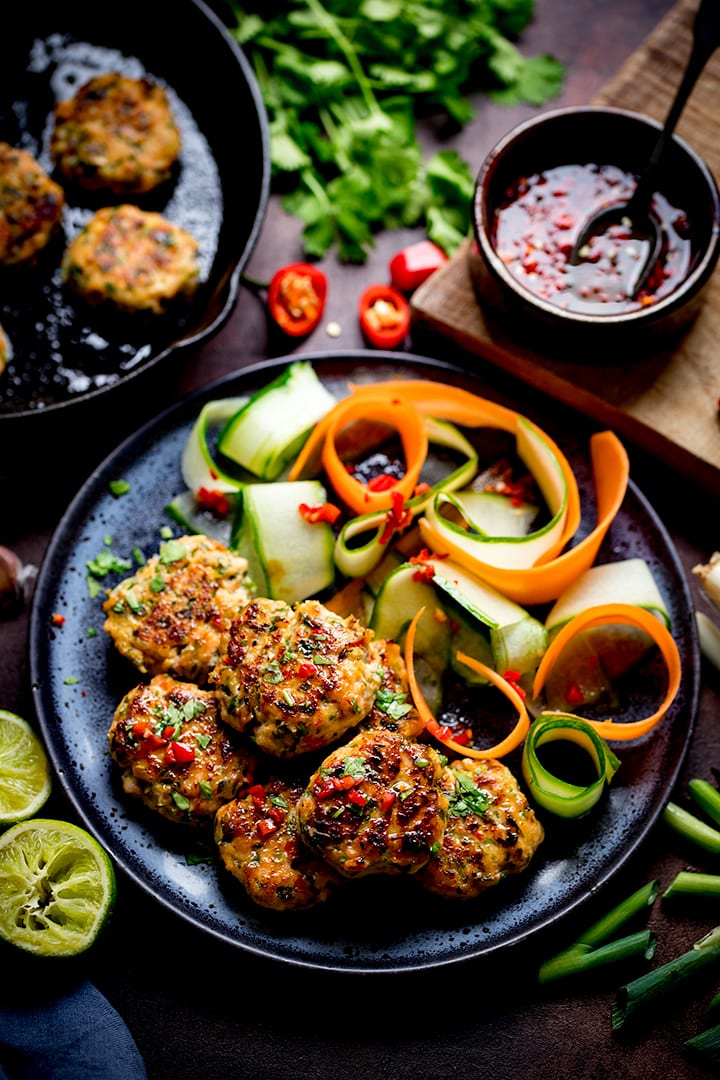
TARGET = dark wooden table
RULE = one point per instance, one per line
(199, 1009)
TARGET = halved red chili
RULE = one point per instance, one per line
(384, 316)
(414, 264)
(296, 298)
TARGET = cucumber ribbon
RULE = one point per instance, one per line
(531, 569)
(554, 794)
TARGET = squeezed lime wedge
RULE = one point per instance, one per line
(57, 887)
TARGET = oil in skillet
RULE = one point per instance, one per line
(536, 226)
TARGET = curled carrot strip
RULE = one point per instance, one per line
(560, 565)
(395, 412)
(502, 748)
(543, 583)
(603, 615)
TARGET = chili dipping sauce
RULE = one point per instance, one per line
(536, 225)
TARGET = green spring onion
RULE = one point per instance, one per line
(689, 883)
(593, 948)
(637, 998)
(707, 798)
(705, 1046)
(692, 828)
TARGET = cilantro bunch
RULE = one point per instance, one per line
(344, 83)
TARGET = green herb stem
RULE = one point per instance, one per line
(707, 798)
(627, 909)
(692, 828)
(689, 883)
(584, 953)
(637, 998)
(705, 1046)
(579, 958)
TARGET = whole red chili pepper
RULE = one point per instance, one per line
(296, 298)
(384, 315)
(414, 264)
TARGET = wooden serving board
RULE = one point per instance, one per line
(666, 403)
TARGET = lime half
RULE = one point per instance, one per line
(24, 770)
(57, 887)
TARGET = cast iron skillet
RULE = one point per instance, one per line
(64, 353)
(373, 925)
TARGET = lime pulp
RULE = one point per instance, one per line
(25, 777)
(57, 887)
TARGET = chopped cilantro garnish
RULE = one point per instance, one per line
(118, 488)
(71, 681)
(272, 673)
(354, 766)
(205, 789)
(180, 801)
(468, 798)
(395, 705)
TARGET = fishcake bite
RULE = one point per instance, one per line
(133, 260)
(492, 831)
(31, 207)
(296, 678)
(375, 805)
(175, 754)
(259, 845)
(173, 614)
(116, 134)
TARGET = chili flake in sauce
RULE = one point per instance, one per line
(536, 226)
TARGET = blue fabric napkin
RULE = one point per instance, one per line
(64, 1032)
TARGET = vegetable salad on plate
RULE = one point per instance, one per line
(384, 618)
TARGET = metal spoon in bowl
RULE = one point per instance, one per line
(635, 215)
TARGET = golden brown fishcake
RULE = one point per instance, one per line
(31, 206)
(176, 755)
(135, 260)
(259, 845)
(172, 616)
(375, 805)
(116, 134)
(296, 678)
(492, 831)
(393, 708)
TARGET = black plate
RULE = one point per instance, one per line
(63, 352)
(375, 925)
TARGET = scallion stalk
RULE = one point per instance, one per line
(690, 883)
(707, 798)
(637, 998)
(705, 1046)
(582, 958)
(585, 953)
(692, 828)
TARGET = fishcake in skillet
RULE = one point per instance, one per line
(133, 260)
(376, 805)
(172, 615)
(116, 134)
(296, 678)
(259, 845)
(31, 206)
(492, 831)
(175, 753)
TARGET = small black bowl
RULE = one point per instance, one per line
(605, 137)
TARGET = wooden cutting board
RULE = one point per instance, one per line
(666, 403)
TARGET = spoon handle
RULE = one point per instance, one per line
(706, 38)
